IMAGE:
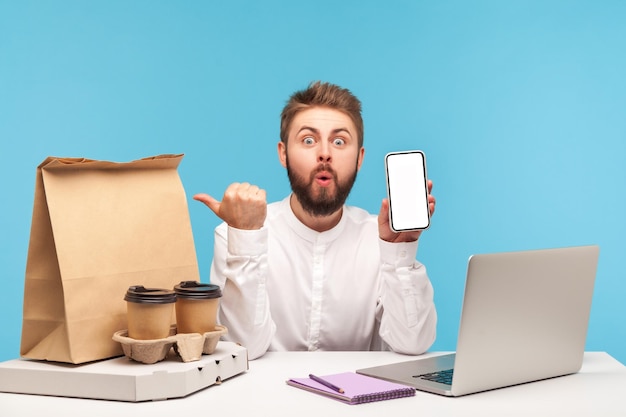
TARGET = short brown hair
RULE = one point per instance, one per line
(319, 94)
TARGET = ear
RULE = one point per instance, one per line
(360, 158)
(282, 153)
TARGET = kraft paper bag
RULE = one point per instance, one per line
(99, 227)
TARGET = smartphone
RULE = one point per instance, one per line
(407, 191)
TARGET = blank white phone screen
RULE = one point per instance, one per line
(407, 191)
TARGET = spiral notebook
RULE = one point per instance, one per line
(357, 388)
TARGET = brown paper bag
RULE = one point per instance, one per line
(97, 228)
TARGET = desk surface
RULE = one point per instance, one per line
(597, 390)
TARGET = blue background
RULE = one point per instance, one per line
(519, 106)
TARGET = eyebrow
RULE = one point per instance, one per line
(334, 131)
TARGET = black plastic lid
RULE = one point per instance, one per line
(141, 294)
(197, 290)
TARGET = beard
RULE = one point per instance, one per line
(324, 202)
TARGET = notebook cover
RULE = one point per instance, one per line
(357, 388)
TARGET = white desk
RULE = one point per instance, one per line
(599, 389)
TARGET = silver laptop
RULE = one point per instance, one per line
(524, 318)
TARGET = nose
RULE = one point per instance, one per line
(324, 153)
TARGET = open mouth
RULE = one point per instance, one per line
(324, 178)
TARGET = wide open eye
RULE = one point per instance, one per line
(339, 142)
(308, 140)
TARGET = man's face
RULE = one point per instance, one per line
(322, 158)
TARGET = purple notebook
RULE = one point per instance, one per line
(357, 388)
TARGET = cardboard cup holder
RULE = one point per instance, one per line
(189, 346)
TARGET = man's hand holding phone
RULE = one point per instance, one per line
(384, 230)
(409, 205)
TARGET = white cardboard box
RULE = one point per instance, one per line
(123, 379)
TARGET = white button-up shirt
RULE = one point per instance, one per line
(288, 287)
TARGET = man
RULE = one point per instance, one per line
(310, 272)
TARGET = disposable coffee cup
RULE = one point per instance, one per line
(196, 306)
(149, 312)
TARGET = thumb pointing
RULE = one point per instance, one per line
(209, 201)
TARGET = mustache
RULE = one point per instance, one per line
(324, 168)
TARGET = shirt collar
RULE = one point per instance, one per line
(309, 234)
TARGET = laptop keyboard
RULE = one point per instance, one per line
(443, 377)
